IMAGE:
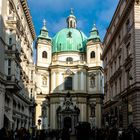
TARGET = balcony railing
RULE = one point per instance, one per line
(12, 83)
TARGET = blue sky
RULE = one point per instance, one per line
(87, 13)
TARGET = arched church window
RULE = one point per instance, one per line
(74, 25)
(44, 81)
(68, 83)
(92, 55)
(71, 23)
(69, 59)
(92, 82)
(44, 54)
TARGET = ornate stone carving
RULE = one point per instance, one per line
(137, 1)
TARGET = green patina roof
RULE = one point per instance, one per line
(69, 39)
(44, 33)
(94, 35)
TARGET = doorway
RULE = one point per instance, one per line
(67, 122)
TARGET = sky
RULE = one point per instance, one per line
(87, 12)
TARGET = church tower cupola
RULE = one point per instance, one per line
(44, 32)
(71, 20)
(94, 34)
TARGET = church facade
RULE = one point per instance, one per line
(69, 77)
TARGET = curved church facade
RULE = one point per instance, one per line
(69, 77)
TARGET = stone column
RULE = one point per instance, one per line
(79, 81)
(98, 114)
(38, 113)
(57, 81)
(97, 81)
(53, 81)
(82, 81)
(61, 82)
(53, 116)
(75, 82)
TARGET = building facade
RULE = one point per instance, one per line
(121, 57)
(69, 77)
(16, 64)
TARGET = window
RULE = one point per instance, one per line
(10, 40)
(115, 66)
(9, 66)
(111, 71)
(119, 39)
(120, 60)
(69, 59)
(44, 111)
(115, 47)
(69, 34)
(129, 77)
(44, 54)
(92, 110)
(44, 81)
(128, 49)
(9, 62)
(120, 82)
(31, 75)
(92, 55)
(111, 52)
(106, 61)
(92, 82)
(9, 71)
(82, 57)
(115, 87)
(68, 83)
(71, 23)
(127, 25)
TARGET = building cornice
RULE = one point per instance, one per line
(124, 94)
(28, 17)
(64, 66)
(121, 18)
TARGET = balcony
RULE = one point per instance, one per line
(12, 83)
(11, 19)
(116, 74)
(17, 55)
(14, 52)
(2, 76)
(128, 61)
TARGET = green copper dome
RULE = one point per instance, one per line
(68, 40)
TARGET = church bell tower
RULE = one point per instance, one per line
(43, 48)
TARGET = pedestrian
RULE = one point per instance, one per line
(65, 134)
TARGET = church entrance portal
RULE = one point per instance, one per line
(67, 122)
(68, 114)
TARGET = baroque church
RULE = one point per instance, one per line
(69, 77)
